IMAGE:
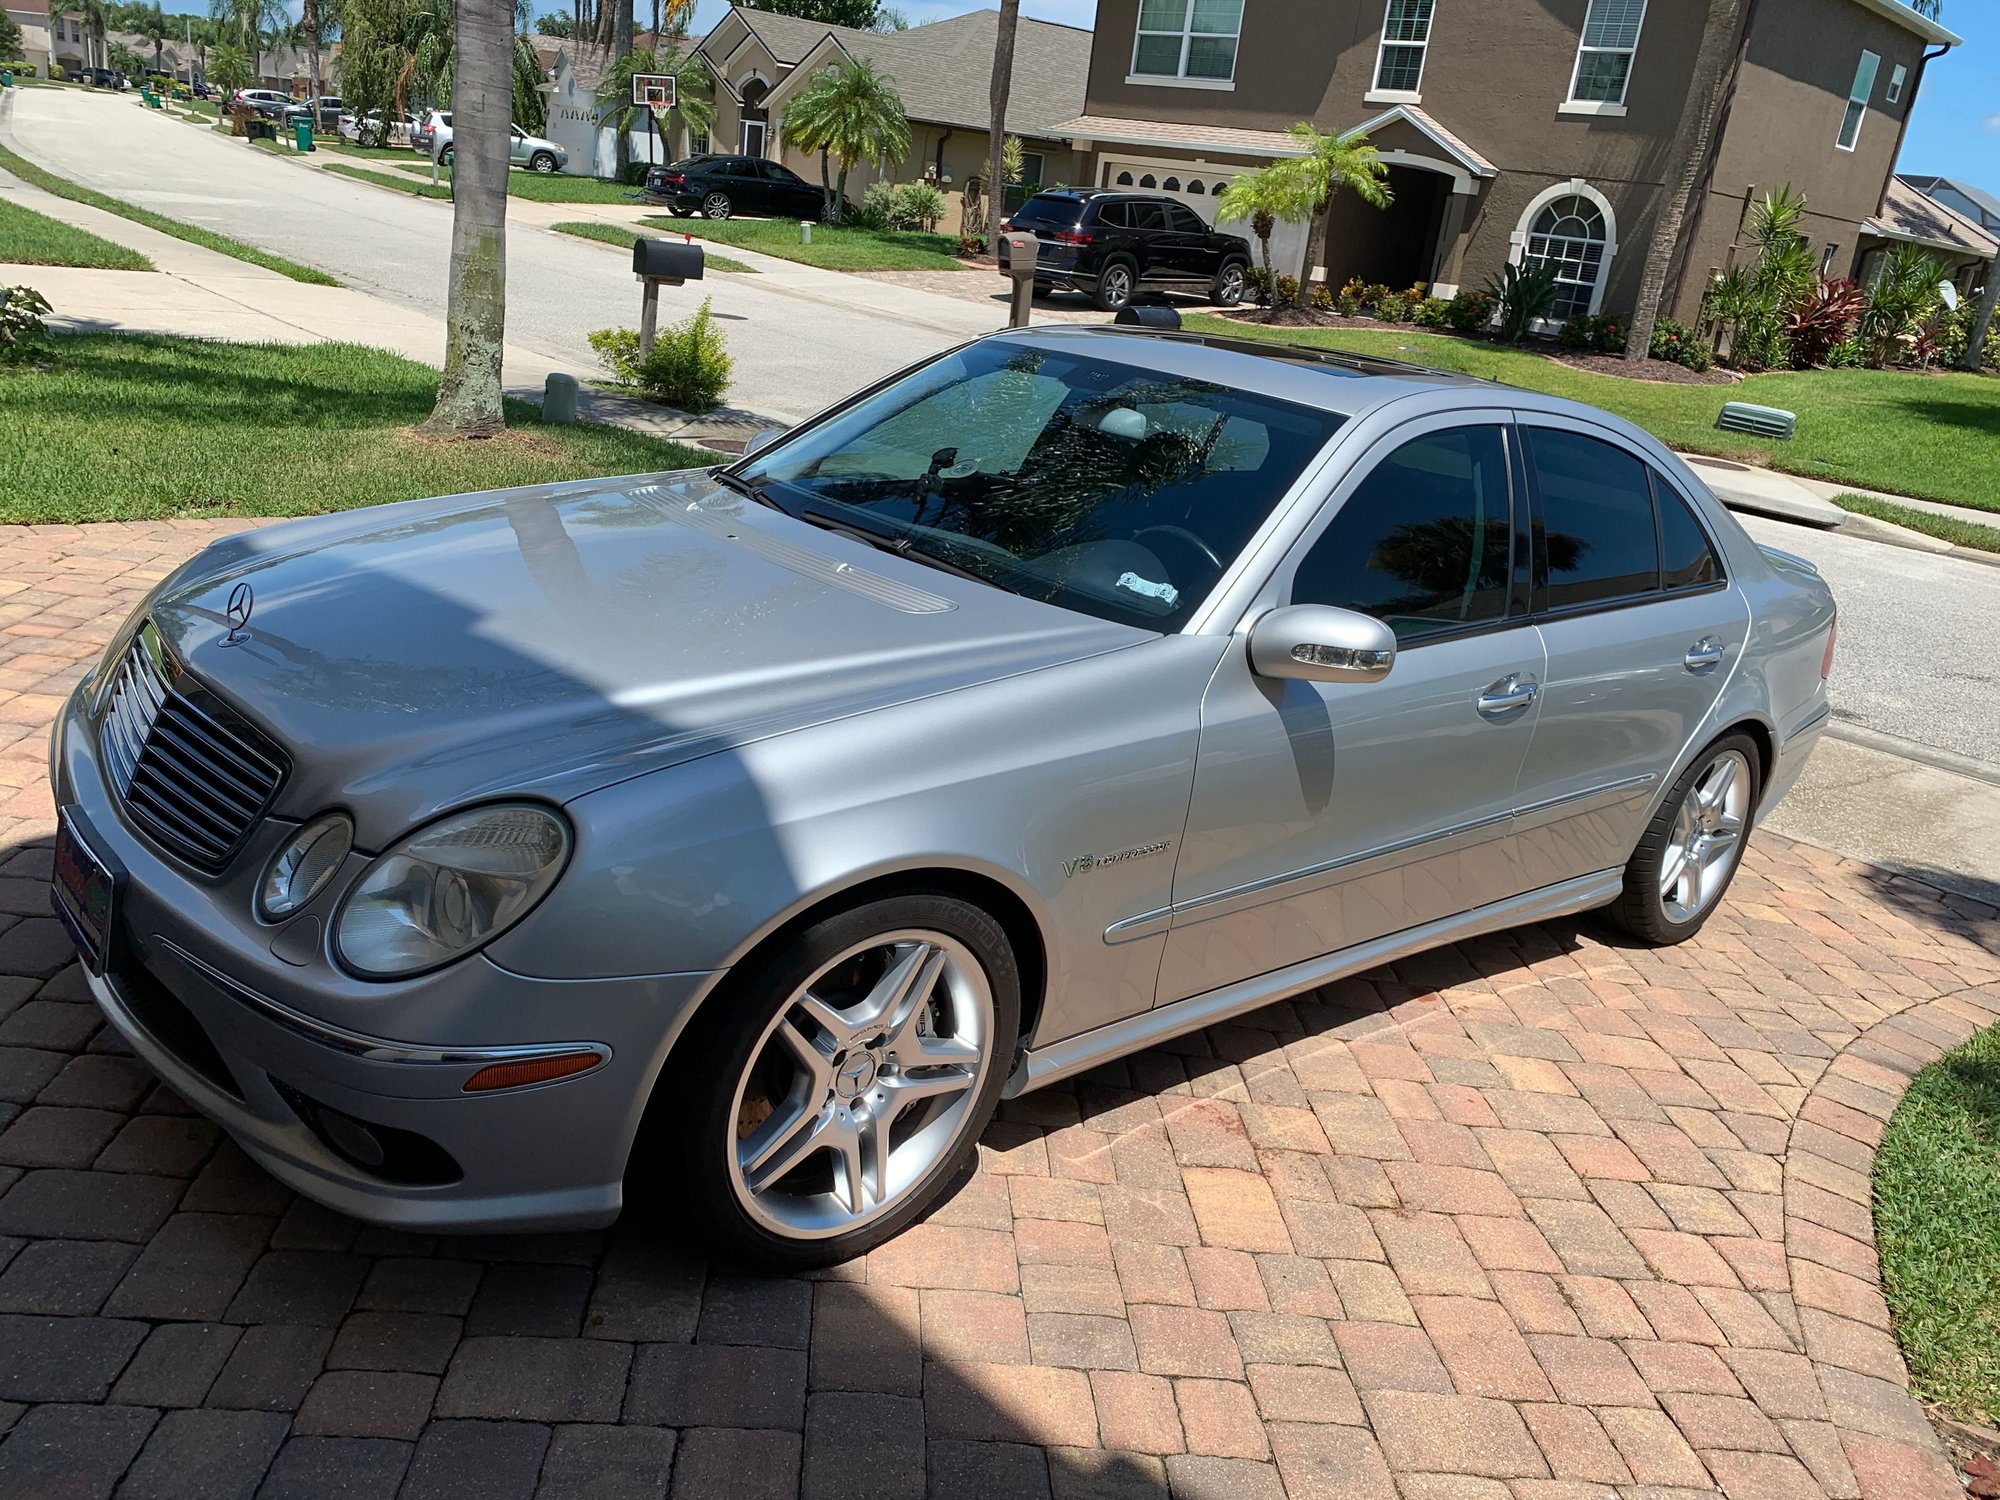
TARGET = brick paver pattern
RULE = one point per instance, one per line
(1542, 1216)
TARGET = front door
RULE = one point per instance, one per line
(1327, 814)
(754, 132)
(1643, 630)
(517, 147)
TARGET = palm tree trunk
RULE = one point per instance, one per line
(1315, 247)
(996, 138)
(1687, 156)
(309, 18)
(621, 46)
(827, 213)
(839, 193)
(468, 403)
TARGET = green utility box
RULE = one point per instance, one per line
(302, 133)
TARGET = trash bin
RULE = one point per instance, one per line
(6, 78)
(302, 132)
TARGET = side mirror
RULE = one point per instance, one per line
(1318, 643)
(762, 439)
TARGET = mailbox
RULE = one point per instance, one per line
(1148, 315)
(1023, 250)
(666, 260)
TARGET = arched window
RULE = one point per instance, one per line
(1148, 181)
(1124, 179)
(1172, 185)
(1570, 234)
(1196, 187)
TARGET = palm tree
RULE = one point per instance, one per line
(95, 20)
(1328, 163)
(1282, 190)
(996, 122)
(848, 112)
(1688, 158)
(694, 100)
(469, 401)
(152, 25)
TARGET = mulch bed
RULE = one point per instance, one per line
(1660, 370)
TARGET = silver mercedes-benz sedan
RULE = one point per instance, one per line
(732, 841)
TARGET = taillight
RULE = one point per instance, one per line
(1826, 661)
(1071, 236)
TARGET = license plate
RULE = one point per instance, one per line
(86, 891)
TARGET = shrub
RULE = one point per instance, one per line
(971, 246)
(916, 205)
(1848, 354)
(1391, 309)
(1594, 333)
(1575, 332)
(689, 367)
(22, 330)
(1257, 285)
(878, 207)
(635, 173)
(1827, 315)
(1678, 344)
(1524, 295)
(1432, 312)
(1349, 301)
(1469, 311)
(1322, 297)
(1288, 290)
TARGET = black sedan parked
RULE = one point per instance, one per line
(719, 186)
(1109, 245)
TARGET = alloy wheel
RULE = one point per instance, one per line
(1230, 291)
(716, 205)
(544, 164)
(862, 1084)
(1117, 286)
(1707, 838)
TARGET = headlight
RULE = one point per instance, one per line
(448, 888)
(302, 868)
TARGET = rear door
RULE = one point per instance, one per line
(1642, 629)
(1150, 241)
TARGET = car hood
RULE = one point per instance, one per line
(552, 640)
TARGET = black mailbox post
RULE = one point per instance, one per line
(658, 263)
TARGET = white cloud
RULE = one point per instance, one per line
(1992, 124)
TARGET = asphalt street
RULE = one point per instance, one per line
(795, 350)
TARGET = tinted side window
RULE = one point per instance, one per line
(1597, 512)
(1113, 216)
(1184, 220)
(1423, 542)
(1687, 559)
(1146, 215)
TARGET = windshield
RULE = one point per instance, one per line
(1109, 488)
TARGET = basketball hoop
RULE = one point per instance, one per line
(653, 91)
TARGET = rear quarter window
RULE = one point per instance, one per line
(1044, 212)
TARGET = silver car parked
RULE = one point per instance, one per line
(730, 842)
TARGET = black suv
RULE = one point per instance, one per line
(723, 185)
(1109, 245)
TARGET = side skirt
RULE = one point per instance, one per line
(1078, 1054)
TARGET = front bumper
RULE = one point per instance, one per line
(289, 1056)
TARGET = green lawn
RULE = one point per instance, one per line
(833, 247)
(31, 239)
(618, 234)
(128, 427)
(194, 234)
(1933, 436)
(521, 183)
(1937, 1220)
(1974, 534)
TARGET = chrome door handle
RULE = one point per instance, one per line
(1507, 697)
(1704, 654)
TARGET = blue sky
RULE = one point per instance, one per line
(1955, 131)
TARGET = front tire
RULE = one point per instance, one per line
(840, 1086)
(542, 162)
(1691, 850)
(715, 206)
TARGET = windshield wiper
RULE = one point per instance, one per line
(752, 489)
(900, 546)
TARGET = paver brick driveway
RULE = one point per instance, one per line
(1537, 1217)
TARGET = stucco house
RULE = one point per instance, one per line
(942, 70)
(1515, 129)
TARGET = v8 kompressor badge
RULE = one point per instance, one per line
(1084, 863)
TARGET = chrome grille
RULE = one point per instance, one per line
(194, 774)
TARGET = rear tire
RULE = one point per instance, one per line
(681, 213)
(772, 1077)
(1693, 847)
(1115, 284)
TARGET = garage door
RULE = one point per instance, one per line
(1198, 186)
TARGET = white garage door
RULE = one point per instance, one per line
(1197, 186)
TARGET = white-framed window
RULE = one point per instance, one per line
(1406, 37)
(1857, 100)
(1604, 52)
(1193, 40)
(1897, 77)
(1569, 226)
